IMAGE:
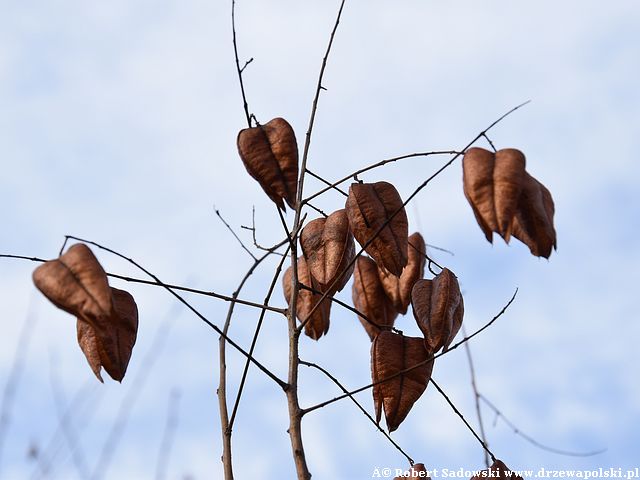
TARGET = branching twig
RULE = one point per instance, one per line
(459, 414)
(326, 182)
(377, 165)
(253, 233)
(476, 396)
(401, 208)
(532, 440)
(362, 409)
(234, 234)
(168, 286)
(245, 105)
(222, 387)
(417, 365)
(254, 341)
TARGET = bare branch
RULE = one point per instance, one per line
(417, 365)
(360, 407)
(401, 208)
(459, 414)
(326, 182)
(234, 234)
(377, 165)
(190, 307)
(532, 440)
(254, 342)
(245, 105)
(476, 396)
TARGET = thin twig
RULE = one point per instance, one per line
(490, 142)
(317, 210)
(254, 341)
(253, 233)
(401, 208)
(362, 409)
(417, 365)
(532, 440)
(293, 405)
(164, 454)
(377, 165)
(476, 396)
(168, 286)
(326, 182)
(459, 414)
(234, 234)
(245, 105)
(222, 386)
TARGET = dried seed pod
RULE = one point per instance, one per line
(416, 471)
(533, 222)
(270, 155)
(399, 289)
(438, 309)
(492, 184)
(318, 325)
(392, 353)
(497, 470)
(112, 349)
(369, 207)
(107, 317)
(329, 248)
(369, 298)
(76, 283)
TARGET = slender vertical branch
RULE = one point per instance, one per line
(295, 412)
(476, 396)
(245, 104)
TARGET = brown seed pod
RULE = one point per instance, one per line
(392, 353)
(533, 222)
(399, 289)
(371, 205)
(497, 470)
(369, 298)
(112, 352)
(107, 317)
(270, 155)
(492, 184)
(318, 325)
(438, 309)
(415, 471)
(328, 247)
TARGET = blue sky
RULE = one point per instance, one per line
(118, 123)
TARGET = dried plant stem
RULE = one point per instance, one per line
(360, 407)
(168, 286)
(381, 163)
(171, 289)
(295, 412)
(254, 342)
(459, 414)
(417, 365)
(532, 440)
(476, 396)
(245, 104)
